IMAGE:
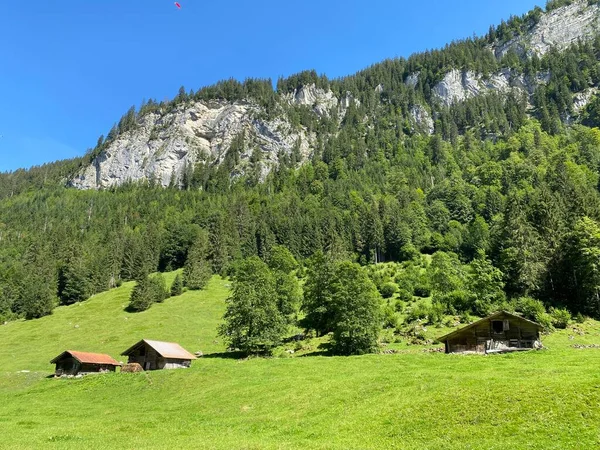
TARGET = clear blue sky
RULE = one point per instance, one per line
(70, 69)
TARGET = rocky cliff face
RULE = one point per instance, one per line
(458, 85)
(558, 28)
(323, 102)
(162, 145)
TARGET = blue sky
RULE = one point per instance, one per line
(69, 70)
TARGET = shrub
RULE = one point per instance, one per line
(422, 291)
(455, 301)
(530, 308)
(560, 317)
(399, 306)
(579, 318)
(420, 310)
(388, 290)
(466, 318)
(390, 319)
(533, 309)
(545, 320)
(436, 313)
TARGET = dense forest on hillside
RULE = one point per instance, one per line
(529, 204)
(505, 188)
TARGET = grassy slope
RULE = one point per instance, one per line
(548, 399)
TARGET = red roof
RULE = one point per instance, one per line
(88, 358)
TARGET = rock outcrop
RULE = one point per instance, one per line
(322, 101)
(422, 119)
(559, 28)
(459, 85)
(162, 146)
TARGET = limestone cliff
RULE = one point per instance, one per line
(161, 146)
(558, 28)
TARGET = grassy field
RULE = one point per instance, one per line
(412, 400)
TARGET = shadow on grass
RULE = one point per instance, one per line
(225, 355)
(323, 349)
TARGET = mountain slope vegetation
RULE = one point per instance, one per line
(507, 174)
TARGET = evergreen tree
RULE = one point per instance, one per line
(177, 286)
(197, 270)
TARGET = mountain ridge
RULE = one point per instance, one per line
(194, 135)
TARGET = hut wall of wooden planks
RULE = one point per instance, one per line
(73, 362)
(498, 333)
(157, 355)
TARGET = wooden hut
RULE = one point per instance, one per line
(499, 333)
(156, 355)
(72, 362)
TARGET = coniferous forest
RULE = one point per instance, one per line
(500, 204)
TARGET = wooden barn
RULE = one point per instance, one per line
(156, 355)
(72, 362)
(499, 333)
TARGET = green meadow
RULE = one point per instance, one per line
(414, 399)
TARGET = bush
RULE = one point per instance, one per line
(390, 319)
(399, 306)
(422, 291)
(545, 320)
(466, 318)
(436, 313)
(405, 295)
(455, 301)
(533, 309)
(579, 318)
(530, 308)
(420, 310)
(388, 290)
(560, 317)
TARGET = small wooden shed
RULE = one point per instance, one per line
(157, 355)
(72, 362)
(499, 333)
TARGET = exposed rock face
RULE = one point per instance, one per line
(162, 146)
(422, 119)
(458, 86)
(581, 99)
(412, 80)
(321, 101)
(559, 28)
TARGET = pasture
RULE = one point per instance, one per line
(414, 399)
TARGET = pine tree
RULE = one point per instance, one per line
(177, 286)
